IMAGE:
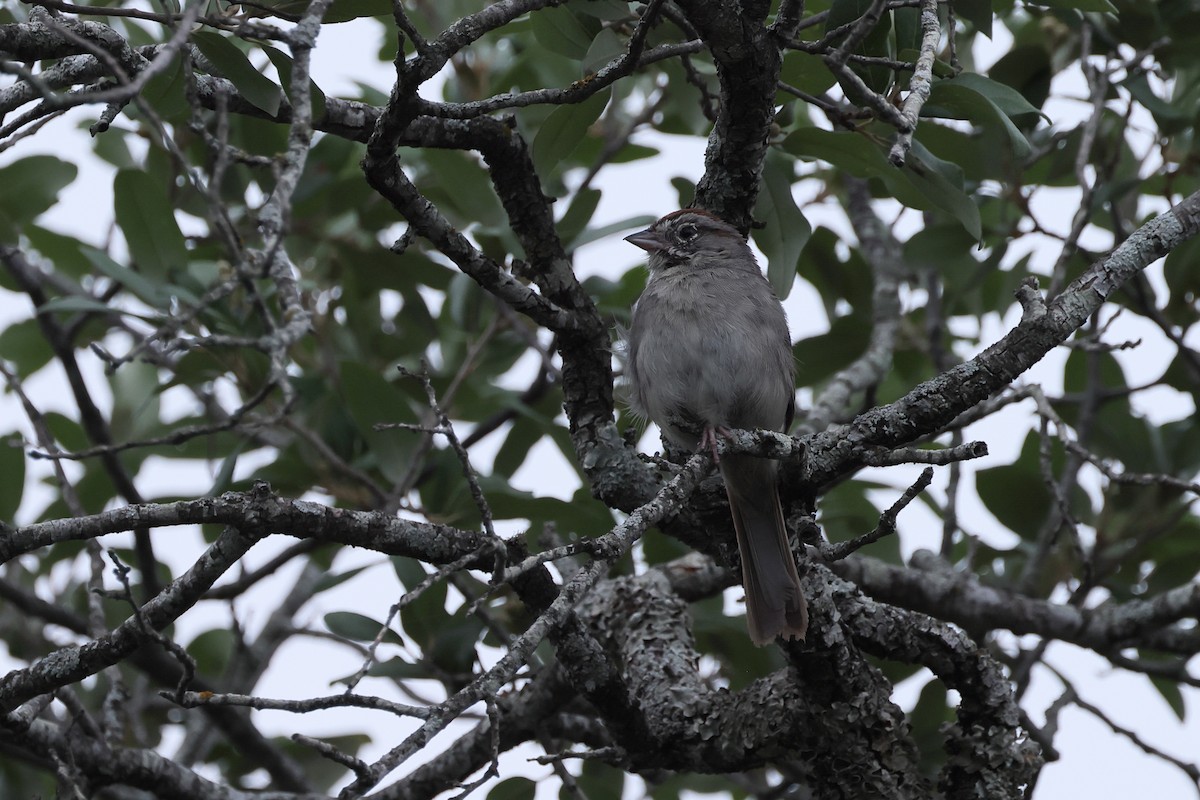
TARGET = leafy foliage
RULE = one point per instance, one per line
(263, 312)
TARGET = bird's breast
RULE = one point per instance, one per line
(702, 359)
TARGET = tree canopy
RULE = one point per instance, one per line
(325, 395)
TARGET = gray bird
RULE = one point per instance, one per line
(709, 351)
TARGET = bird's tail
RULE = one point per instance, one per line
(775, 604)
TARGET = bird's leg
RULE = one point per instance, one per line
(708, 439)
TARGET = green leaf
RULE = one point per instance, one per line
(917, 186)
(634, 152)
(1085, 369)
(606, 47)
(1102, 6)
(321, 773)
(597, 782)
(397, 668)
(786, 232)
(454, 648)
(408, 570)
(819, 357)
(370, 399)
(604, 231)
(223, 480)
(463, 185)
(1182, 441)
(1165, 113)
(234, 65)
(1182, 273)
(211, 650)
(977, 12)
(1005, 97)
(564, 129)
(67, 432)
(358, 627)
(513, 789)
(907, 22)
(332, 579)
(146, 216)
(166, 92)
(25, 346)
(31, 185)
(928, 721)
(942, 183)
(283, 65)
(135, 391)
(846, 512)
(1028, 68)
(87, 305)
(659, 549)
(838, 279)
(339, 11)
(971, 153)
(581, 514)
(857, 154)
(346, 10)
(424, 618)
(852, 152)
(142, 288)
(1176, 557)
(1016, 493)
(12, 467)
(806, 72)
(686, 191)
(560, 31)
(578, 214)
(958, 99)
(875, 43)
(521, 438)
(607, 10)
(64, 252)
(1171, 693)
(946, 248)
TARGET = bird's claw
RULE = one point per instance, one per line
(708, 439)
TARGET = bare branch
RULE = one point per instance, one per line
(887, 521)
(921, 83)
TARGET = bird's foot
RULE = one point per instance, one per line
(708, 439)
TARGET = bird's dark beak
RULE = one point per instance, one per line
(649, 240)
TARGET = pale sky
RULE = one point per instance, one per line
(1095, 762)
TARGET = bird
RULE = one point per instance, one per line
(708, 350)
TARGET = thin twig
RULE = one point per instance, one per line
(921, 83)
(493, 770)
(186, 663)
(606, 755)
(326, 750)
(883, 457)
(887, 521)
(347, 700)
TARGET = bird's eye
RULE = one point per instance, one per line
(687, 232)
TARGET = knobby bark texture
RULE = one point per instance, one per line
(605, 658)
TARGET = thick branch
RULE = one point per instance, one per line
(748, 63)
(988, 755)
(934, 404)
(961, 598)
(522, 716)
(72, 664)
(262, 513)
(165, 671)
(830, 711)
(883, 253)
(139, 768)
